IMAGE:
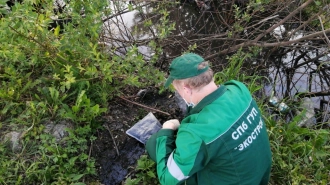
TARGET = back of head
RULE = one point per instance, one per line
(191, 69)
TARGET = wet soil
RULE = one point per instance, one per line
(115, 152)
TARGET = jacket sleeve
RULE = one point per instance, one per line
(178, 160)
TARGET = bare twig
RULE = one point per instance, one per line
(113, 139)
(121, 13)
(314, 94)
(89, 155)
(284, 20)
(326, 37)
(263, 44)
(90, 151)
(305, 23)
(144, 106)
(265, 19)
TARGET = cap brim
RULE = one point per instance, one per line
(168, 81)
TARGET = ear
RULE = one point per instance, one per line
(187, 89)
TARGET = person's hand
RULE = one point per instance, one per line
(171, 124)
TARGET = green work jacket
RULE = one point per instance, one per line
(222, 140)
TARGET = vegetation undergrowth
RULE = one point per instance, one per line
(53, 70)
(299, 155)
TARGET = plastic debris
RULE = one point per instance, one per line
(142, 92)
(308, 118)
(281, 107)
(144, 128)
(273, 101)
(203, 4)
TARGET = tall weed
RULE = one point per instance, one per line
(300, 155)
(43, 160)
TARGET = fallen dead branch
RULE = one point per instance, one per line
(144, 106)
(113, 139)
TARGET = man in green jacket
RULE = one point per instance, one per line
(222, 140)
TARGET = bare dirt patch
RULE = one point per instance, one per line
(115, 152)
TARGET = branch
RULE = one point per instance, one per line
(262, 44)
(264, 20)
(326, 38)
(305, 23)
(28, 37)
(113, 139)
(284, 20)
(314, 94)
(144, 106)
(311, 60)
(121, 13)
(53, 53)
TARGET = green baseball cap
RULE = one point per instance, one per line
(185, 66)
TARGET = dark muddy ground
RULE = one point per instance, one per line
(112, 140)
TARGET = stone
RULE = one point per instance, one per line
(14, 140)
(49, 127)
(59, 130)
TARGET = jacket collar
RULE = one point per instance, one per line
(207, 100)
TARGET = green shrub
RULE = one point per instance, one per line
(64, 69)
(145, 172)
(59, 74)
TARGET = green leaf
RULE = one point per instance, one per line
(130, 181)
(75, 108)
(55, 159)
(57, 31)
(54, 94)
(75, 177)
(73, 160)
(151, 174)
(3, 2)
(130, 7)
(80, 97)
(7, 107)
